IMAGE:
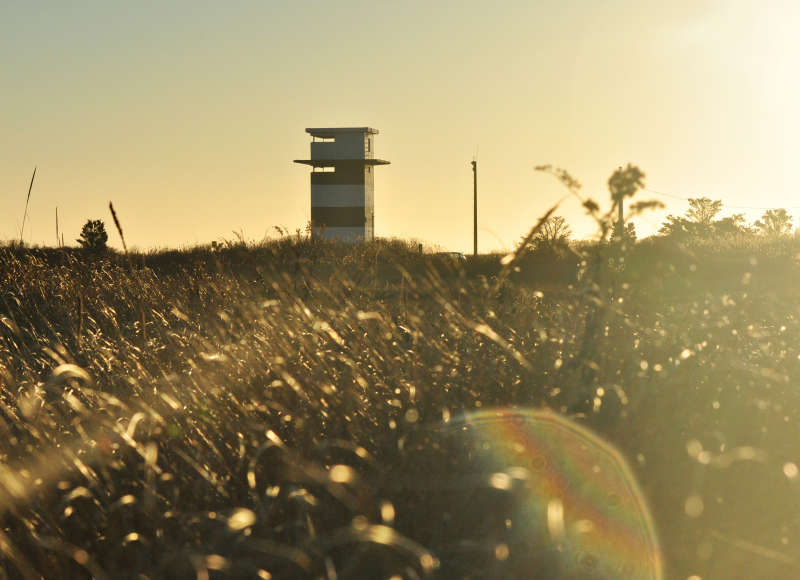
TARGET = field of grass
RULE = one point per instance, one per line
(257, 412)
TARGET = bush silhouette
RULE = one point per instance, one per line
(93, 236)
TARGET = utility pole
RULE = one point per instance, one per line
(475, 208)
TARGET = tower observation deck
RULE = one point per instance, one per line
(343, 182)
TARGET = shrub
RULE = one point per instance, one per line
(93, 236)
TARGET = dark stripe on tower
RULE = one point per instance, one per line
(344, 175)
(338, 217)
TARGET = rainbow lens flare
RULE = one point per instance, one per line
(539, 496)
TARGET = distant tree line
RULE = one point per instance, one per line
(700, 221)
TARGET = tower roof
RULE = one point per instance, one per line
(327, 132)
(334, 162)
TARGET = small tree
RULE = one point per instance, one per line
(732, 225)
(93, 236)
(703, 210)
(698, 222)
(555, 231)
(677, 226)
(775, 222)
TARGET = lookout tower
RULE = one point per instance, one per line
(342, 182)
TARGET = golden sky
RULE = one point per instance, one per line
(187, 114)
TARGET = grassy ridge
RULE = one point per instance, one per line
(171, 413)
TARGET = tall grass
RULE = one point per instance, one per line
(242, 411)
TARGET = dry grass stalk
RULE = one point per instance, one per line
(119, 227)
(27, 200)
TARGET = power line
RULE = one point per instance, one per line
(673, 196)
